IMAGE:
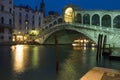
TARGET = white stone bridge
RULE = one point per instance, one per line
(89, 23)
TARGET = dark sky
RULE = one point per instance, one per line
(57, 5)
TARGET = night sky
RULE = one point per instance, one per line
(57, 5)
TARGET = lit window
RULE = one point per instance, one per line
(26, 22)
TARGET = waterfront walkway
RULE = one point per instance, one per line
(99, 73)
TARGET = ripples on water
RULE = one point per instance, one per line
(37, 62)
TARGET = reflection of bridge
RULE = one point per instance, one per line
(89, 23)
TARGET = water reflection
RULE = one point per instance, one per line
(35, 57)
(77, 60)
(37, 62)
(19, 57)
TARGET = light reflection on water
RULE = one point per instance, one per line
(35, 57)
(19, 57)
(74, 66)
(37, 62)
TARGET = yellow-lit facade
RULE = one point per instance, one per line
(20, 38)
(68, 15)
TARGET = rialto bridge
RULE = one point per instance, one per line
(76, 21)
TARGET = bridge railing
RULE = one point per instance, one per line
(50, 29)
(102, 28)
(93, 27)
(46, 29)
(52, 22)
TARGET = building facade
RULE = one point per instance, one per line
(25, 20)
(17, 23)
(6, 20)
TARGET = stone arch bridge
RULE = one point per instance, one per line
(90, 23)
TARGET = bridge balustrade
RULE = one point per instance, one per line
(55, 25)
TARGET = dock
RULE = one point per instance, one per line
(99, 73)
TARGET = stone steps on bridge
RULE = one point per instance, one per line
(99, 73)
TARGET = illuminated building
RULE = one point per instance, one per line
(17, 21)
(25, 20)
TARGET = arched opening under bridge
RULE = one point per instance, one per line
(69, 37)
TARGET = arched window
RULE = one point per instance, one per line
(106, 21)
(96, 20)
(60, 20)
(55, 23)
(78, 18)
(50, 25)
(86, 19)
(116, 22)
(68, 15)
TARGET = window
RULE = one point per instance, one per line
(96, 20)
(2, 8)
(26, 16)
(10, 10)
(33, 23)
(10, 21)
(86, 19)
(10, 2)
(33, 17)
(116, 22)
(20, 15)
(10, 38)
(20, 21)
(39, 24)
(2, 37)
(2, 30)
(26, 24)
(106, 21)
(2, 20)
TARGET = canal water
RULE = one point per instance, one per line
(49, 62)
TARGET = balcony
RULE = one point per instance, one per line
(6, 26)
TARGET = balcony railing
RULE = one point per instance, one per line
(6, 25)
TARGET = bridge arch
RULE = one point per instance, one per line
(78, 18)
(106, 20)
(86, 19)
(60, 20)
(96, 20)
(55, 22)
(69, 27)
(50, 25)
(116, 22)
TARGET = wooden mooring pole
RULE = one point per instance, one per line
(99, 47)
